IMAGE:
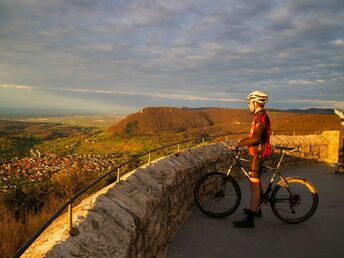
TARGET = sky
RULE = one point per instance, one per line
(123, 55)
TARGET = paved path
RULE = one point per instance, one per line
(320, 236)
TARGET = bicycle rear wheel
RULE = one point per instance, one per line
(217, 194)
(297, 205)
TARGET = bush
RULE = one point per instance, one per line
(15, 232)
(131, 127)
(69, 181)
(10, 238)
(23, 196)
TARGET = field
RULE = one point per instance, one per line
(19, 135)
(99, 121)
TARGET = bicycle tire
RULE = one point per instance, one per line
(209, 196)
(302, 203)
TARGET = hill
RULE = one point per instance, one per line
(312, 111)
(154, 120)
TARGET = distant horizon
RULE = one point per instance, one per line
(66, 112)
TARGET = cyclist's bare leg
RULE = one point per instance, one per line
(248, 222)
(255, 196)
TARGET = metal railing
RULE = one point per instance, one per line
(297, 132)
(69, 203)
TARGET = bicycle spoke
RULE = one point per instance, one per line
(220, 204)
(295, 205)
(217, 195)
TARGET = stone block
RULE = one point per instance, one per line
(205, 154)
(334, 142)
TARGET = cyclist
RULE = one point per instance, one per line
(259, 149)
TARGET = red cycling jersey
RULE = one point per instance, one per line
(261, 148)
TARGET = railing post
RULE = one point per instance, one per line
(226, 138)
(294, 133)
(203, 142)
(70, 217)
(178, 148)
(118, 176)
(149, 158)
(71, 230)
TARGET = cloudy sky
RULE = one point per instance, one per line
(121, 55)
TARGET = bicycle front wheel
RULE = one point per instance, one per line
(217, 194)
(296, 204)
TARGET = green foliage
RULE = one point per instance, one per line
(130, 127)
(11, 147)
(22, 196)
(68, 182)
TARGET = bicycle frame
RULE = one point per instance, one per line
(292, 199)
(237, 163)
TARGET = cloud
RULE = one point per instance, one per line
(17, 87)
(128, 93)
(339, 42)
(162, 46)
(38, 98)
(303, 82)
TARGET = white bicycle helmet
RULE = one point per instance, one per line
(258, 96)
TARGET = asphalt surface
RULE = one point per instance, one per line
(320, 236)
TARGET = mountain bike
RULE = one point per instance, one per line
(292, 199)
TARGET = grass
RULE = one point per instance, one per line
(15, 232)
(17, 228)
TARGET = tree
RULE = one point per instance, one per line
(131, 127)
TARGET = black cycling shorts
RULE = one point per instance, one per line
(256, 163)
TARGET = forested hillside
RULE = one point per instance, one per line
(216, 120)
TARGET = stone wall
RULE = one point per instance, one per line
(324, 147)
(138, 216)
